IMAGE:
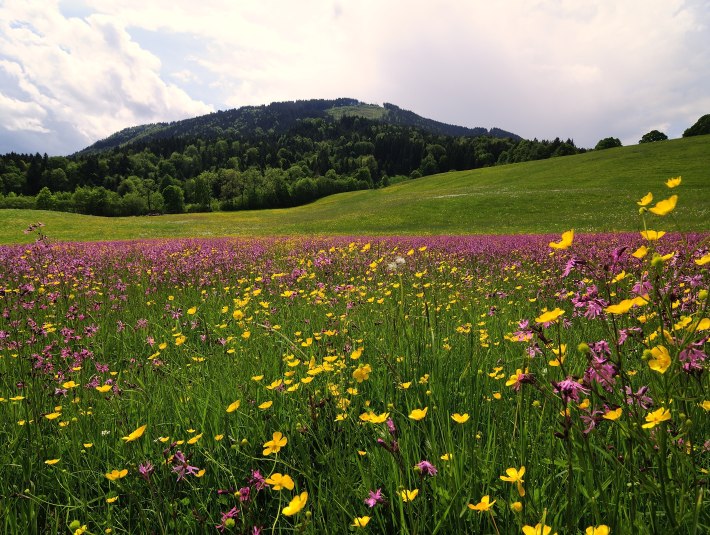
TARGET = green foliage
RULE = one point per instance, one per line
(608, 143)
(700, 128)
(653, 135)
(174, 199)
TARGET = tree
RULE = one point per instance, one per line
(700, 128)
(608, 143)
(44, 199)
(174, 199)
(653, 135)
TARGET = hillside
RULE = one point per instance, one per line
(590, 192)
(277, 118)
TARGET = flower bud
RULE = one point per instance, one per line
(657, 261)
(229, 523)
(703, 295)
(646, 354)
(75, 524)
(516, 507)
(583, 348)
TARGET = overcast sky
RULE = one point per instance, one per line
(75, 71)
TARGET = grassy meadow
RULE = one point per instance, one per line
(418, 384)
(589, 192)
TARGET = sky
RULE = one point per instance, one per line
(73, 72)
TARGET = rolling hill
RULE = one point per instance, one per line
(591, 192)
(279, 117)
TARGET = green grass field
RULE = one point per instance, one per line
(589, 192)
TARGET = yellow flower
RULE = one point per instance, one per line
(360, 521)
(191, 311)
(613, 415)
(446, 457)
(362, 373)
(460, 418)
(52, 415)
(111, 499)
(661, 360)
(646, 199)
(597, 530)
(550, 316)
(218, 437)
(627, 304)
(418, 414)
(565, 242)
(705, 405)
(665, 206)
(640, 252)
(652, 235)
(88, 445)
(516, 507)
(280, 481)
(274, 445)
(298, 503)
(194, 439)
(69, 385)
(266, 405)
(704, 260)
(113, 475)
(233, 406)
(135, 435)
(515, 476)
(656, 417)
(484, 505)
(673, 182)
(408, 495)
(539, 529)
(180, 339)
(51, 461)
(103, 389)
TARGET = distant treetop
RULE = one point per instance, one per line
(700, 128)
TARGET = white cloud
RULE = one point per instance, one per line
(86, 73)
(542, 69)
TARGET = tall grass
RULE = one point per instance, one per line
(170, 386)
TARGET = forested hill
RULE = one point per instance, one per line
(275, 156)
(280, 117)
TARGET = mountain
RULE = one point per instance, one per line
(280, 117)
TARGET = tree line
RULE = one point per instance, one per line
(315, 157)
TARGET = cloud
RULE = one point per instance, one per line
(83, 74)
(540, 69)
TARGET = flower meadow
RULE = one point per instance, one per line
(479, 384)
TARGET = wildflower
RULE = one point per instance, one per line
(426, 468)
(665, 206)
(280, 481)
(266, 405)
(646, 199)
(640, 252)
(539, 529)
(515, 476)
(182, 466)
(460, 418)
(233, 406)
(274, 445)
(113, 475)
(103, 389)
(360, 521)
(53, 415)
(484, 505)
(295, 505)
(146, 469)
(519, 378)
(652, 235)
(656, 417)
(673, 182)
(661, 359)
(135, 435)
(362, 373)
(408, 495)
(613, 415)
(418, 414)
(597, 530)
(550, 316)
(374, 498)
(565, 242)
(51, 461)
(569, 389)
